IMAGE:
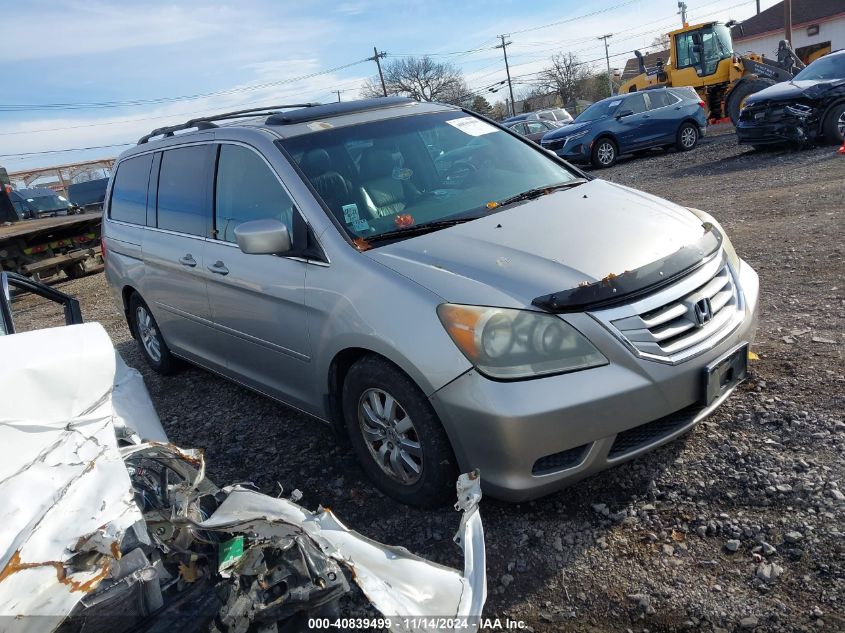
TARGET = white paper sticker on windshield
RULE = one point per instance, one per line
(360, 226)
(350, 213)
(614, 103)
(472, 126)
(316, 126)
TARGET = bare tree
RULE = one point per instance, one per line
(564, 76)
(420, 78)
(661, 42)
(499, 111)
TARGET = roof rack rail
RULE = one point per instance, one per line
(336, 109)
(207, 122)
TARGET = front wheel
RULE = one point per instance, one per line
(396, 435)
(834, 125)
(687, 137)
(604, 153)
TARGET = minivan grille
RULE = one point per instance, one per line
(674, 327)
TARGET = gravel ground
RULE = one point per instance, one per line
(740, 525)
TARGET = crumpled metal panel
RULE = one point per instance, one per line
(399, 584)
(67, 497)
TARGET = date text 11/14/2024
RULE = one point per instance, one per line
(418, 622)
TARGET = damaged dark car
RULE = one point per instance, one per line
(809, 109)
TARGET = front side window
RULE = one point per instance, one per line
(247, 189)
(419, 169)
(182, 190)
(129, 191)
(535, 127)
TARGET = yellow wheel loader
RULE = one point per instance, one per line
(702, 56)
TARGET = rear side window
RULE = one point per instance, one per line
(129, 192)
(247, 189)
(661, 99)
(183, 189)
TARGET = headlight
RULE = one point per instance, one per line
(512, 344)
(706, 218)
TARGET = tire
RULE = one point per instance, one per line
(76, 271)
(834, 125)
(687, 137)
(604, 153)
(150, 341)
(738, 95)
(423, 476)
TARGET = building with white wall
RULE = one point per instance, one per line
(818, 27)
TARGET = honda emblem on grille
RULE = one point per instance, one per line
(703, 312)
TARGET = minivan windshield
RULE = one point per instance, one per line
(598, 110)
(829, 67)
(421, 170)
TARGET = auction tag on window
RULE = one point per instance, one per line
(360, 226)
(472, 126)
(350, 213)
(614, 103)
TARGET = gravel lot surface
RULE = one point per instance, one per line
(740, 525)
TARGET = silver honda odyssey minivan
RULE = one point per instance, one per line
(445, 292)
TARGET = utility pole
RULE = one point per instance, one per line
(607, 57)
(787, 21)
(338, 95)
(682, 6)
(376, 57)
(758, 7)
(503, 46)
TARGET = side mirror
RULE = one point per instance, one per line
(263, 237)
(623, 113)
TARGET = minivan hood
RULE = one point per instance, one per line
(550, 244)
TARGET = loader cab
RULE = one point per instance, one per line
(699, 51)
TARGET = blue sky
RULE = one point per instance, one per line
(256, 52)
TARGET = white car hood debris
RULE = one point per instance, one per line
(72, 412)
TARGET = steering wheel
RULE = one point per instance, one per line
(459, 172)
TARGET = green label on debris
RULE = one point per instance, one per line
(230, 552)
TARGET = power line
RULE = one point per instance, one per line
(61, 151)
(160, 100)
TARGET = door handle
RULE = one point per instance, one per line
(188, 260)
(219, 268)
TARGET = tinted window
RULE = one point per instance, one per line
(129, 192)
(182, 186)
(660, 99)
(247, 189)
(635, 104)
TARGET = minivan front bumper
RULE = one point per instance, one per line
(530, 438)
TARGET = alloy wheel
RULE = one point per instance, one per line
(605, 153)
(688, 137)
(148, 333)
(390, 436)
(840, 124)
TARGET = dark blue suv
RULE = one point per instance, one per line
(663, 117)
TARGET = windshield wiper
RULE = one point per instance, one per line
(540, 191)
(418, 229)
